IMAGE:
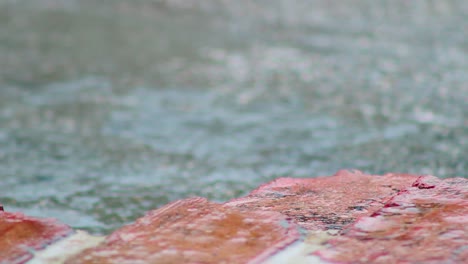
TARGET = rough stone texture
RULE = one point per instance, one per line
(425, 223)
(20, 235)
(346, 218)
(195, 231)
(326, 202)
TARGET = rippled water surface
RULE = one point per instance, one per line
(108, 110)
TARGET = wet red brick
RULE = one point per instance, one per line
(20, 235)
(326, 202)
(195, 231)
(425, 223)
(395, 218)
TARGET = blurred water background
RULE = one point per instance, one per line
(112, 108)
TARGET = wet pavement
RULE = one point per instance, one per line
(112, 109)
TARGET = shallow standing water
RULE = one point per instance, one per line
(112, 109)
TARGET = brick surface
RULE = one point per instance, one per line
(20, 235)
(425, 223)
(325, 203)
(195, 231)
(350, 217)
